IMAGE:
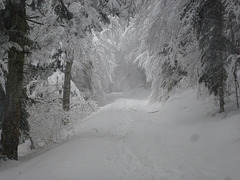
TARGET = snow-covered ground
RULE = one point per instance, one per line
(130, 139)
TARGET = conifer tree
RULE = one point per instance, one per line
(211, 41)
(16, 26)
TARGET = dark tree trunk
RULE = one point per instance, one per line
(67, 82)
(234, 50)
(211, 42)
(16, 25)
(221, 93)
(236, 84)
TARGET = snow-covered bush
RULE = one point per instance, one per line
(49, 123)
(51, 88)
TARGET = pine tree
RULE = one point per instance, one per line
(16, 25)
(211, 41)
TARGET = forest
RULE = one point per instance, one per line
(63, 62)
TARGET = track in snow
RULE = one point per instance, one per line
(126, 140)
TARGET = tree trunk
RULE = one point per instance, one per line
(236, 84)
(221, 86)
(211, 43)
(221, 99)
(17, 27)
(67, 82)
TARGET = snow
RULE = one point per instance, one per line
(182, 139)
(56, 80)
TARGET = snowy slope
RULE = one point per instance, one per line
(130, 139)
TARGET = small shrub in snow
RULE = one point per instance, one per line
(50, 124)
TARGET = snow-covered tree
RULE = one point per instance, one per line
(178, 44)
(152, 43)
(232, 38)
(16, 26)
(50, 23)
(211, 41)
(78, 20)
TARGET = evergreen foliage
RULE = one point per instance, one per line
(183, 44)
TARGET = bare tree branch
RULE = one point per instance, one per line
(34, 21)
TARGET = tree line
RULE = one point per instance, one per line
(30, 30)
(187, 44)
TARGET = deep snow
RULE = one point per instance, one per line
(182, 139)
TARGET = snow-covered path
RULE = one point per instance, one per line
(132, 140)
